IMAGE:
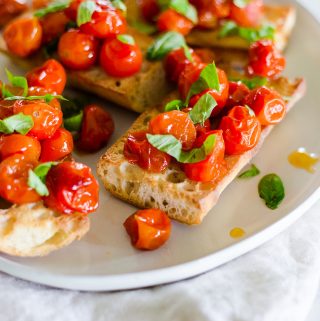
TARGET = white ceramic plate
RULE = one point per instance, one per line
(105, 260)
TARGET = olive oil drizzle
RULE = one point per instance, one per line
(303, 160)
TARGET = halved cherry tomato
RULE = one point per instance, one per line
(72, 188)
(265, 60)
(10, 9)
(104, 24)
(77, 50)
(137, 150)
(241, 131)
(148, 229)
(149, 9)
(176, 123)
(237, 92)
(176, 61)
(46, 118)
(50, 75)
(267, 104)
(23, 36)
(249, 16)
(120, 59)
(213, 166)
(19, 144)
(57, 146)
(96, 129)
(170, 20)
(200, 128)
(14, 180)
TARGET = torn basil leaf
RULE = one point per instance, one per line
(252, 83)
(176, 104)
(54, 6)
(85, 11)
(74, 122)
(251, 172)
(18, 81)
(126, 39)
(47, 97)
(183, 7)
(202, 109)
(19, 123)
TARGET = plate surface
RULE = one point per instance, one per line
(104, 259)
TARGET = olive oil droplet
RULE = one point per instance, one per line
(237, 232)
(303, 160)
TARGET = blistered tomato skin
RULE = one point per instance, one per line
(96, 129)
(170, 20)
(51, 76)
(213, 166)
(77, 50)
(137, 150)
(241, 131)
(176, 123)
(265, 60)
(119, 59)
(72, 188)
(267, 104)
(149, 9)
(23, 36)
(237, 93)
(249, 16)
(148, 229)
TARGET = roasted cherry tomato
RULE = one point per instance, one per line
(46, 118)
(96, 129)
(148, 229)
(241, 130)
(72, 10)
(200, 128)
(176, 123)
(57, 146)
(10, 9)
(206, 55)
(213, 166)
(51, 76)
(267, 104)
(170, 20)
(120, 59)
(7, 107)
(41, 91)
(77, 50)
(248, 16)
(149, 9)
(176, 61)
(265, 60)
(19, 144)
(237, 92)
(23, 36)
(137, 150)
(72, 188)
(14, 180)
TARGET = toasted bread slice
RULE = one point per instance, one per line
(35, 230)
(184, 200)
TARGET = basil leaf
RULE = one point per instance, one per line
(176, 104)
(127, 39)
(85, 11)
(73, 123)
(187, 53)
(251, 172)
(172, 146)
(5, 92)
(181, 6)
(118, 4)
(241, 3)
(36, 183)
(271, 190)
(20, 123)
(42, 170)
(164, 44)
(208, 79)
(202, 109)
(18, 81)
(143, 27)
(47, 97)
(252, 83)
(54, 6)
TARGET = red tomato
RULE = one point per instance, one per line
(23, 36)
(6, 107)
(249, 16)
(148, 229)
(57, 146)
(265, 60)
(96, 129)
(176, 123)
(241, 131)
(201, 129)
(51, 76)
(14, 180)
(137, 150)
(46, 118)
(77, 50)
(72, 188)
(206, 55)
(29, 147)
(237, 93)
(170, 20)
(72, 10)
(149, 9)
(10, 9)
(267, 104)
(213, 166)
(41, 91)
(119, 59)
(176, 61)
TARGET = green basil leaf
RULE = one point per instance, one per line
(85, 11)
(54, 6)
(127, 39)
(252, 83)
(164, 44)
(18, 81)
(20, 123)
(144, 27)
(202, 109)
(208, 79)
(36, 183)
(5, 92)
(271, 190)
(172, 146)
(176, 104)
(47, 97)
(251, 172)
(187, 53)
(181, 6)
(74, 122)
(241, 3)
(42, 170)
(118, 4)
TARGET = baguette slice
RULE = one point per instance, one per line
(184, 200)
(35, 230)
